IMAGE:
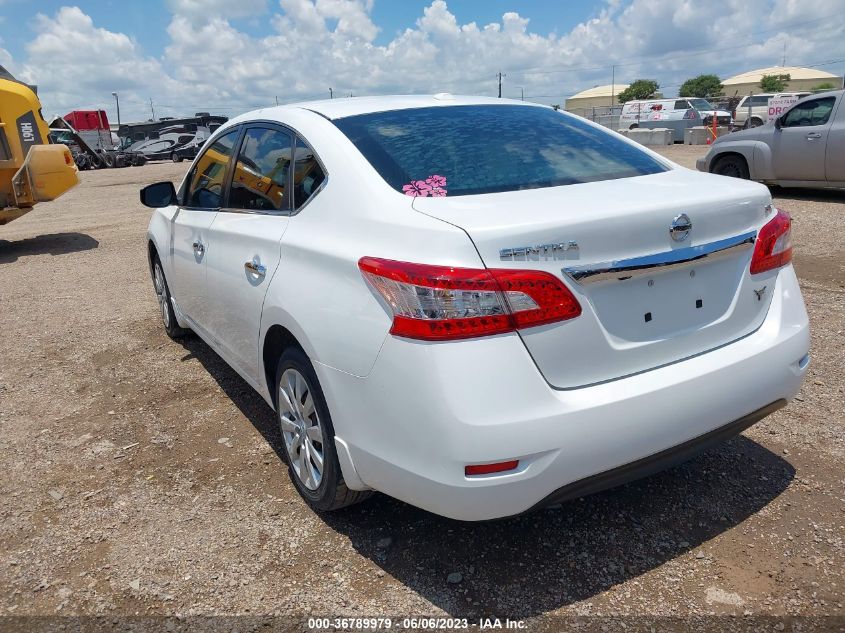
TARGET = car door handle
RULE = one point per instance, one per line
(199, 248)
(255, 268)
(813, 136)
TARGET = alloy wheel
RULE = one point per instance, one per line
(161, 294)
(301, 428)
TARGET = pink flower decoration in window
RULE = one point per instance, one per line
(437, 181)
(434, 186)
(417, 189)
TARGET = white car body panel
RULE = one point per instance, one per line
(409, 415)
(236, 294)
(616, 338)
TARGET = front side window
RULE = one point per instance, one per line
(260, 180)
(308, 175)
(477, 149)
(205, 181)
(809, 113)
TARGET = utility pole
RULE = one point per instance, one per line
(783, 63)
(500, 75)
(277, 99)
(612, 86)
(331, 93)
(117, 100)
(152, 109)
(522, 93)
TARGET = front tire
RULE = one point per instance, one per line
(168, 316)
(733, 166)
(308, 435)
(176, 158)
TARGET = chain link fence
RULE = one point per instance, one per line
(608, 116)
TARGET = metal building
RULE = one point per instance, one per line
(801, 79)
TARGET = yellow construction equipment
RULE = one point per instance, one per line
(31, 170)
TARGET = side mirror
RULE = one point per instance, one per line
(158, 195)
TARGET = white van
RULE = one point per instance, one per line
(675, 114)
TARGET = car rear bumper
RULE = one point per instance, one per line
(659, 461)
(427, 410)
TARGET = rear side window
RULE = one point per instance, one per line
(681, 105)
(463, 150)
(260, 180)
(308, 175)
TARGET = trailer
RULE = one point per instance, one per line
(92, 147)
(170, 138)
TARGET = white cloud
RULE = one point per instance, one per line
(210, 64)
(6, 60)
(207, 9)
(77, 64)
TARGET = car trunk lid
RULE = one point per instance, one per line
(648, 299)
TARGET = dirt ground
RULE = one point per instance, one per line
(141, 476)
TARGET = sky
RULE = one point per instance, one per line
(230, 56)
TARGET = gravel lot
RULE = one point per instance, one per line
(141, 476)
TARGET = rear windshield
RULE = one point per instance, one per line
(463, 150)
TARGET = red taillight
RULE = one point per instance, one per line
(488, 469)
(773, 247)
(436, 303)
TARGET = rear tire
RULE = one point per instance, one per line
(634, 126)
(165, 303)
(754, 122)
(308, 435)
(733, 166)
(108, 160)
(175, 157)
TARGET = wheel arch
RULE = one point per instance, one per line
(276, 340)
(152, 251)
(731, 153)
(757, 156)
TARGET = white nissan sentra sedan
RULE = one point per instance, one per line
(477, 306)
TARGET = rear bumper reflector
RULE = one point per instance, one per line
(489, 469)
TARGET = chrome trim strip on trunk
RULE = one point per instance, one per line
(622, 269)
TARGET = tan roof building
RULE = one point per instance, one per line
(800, 79)
(600, 96)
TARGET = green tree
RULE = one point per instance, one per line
(702, 86)
(825, 86)
(639, 89)
(774, 83)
